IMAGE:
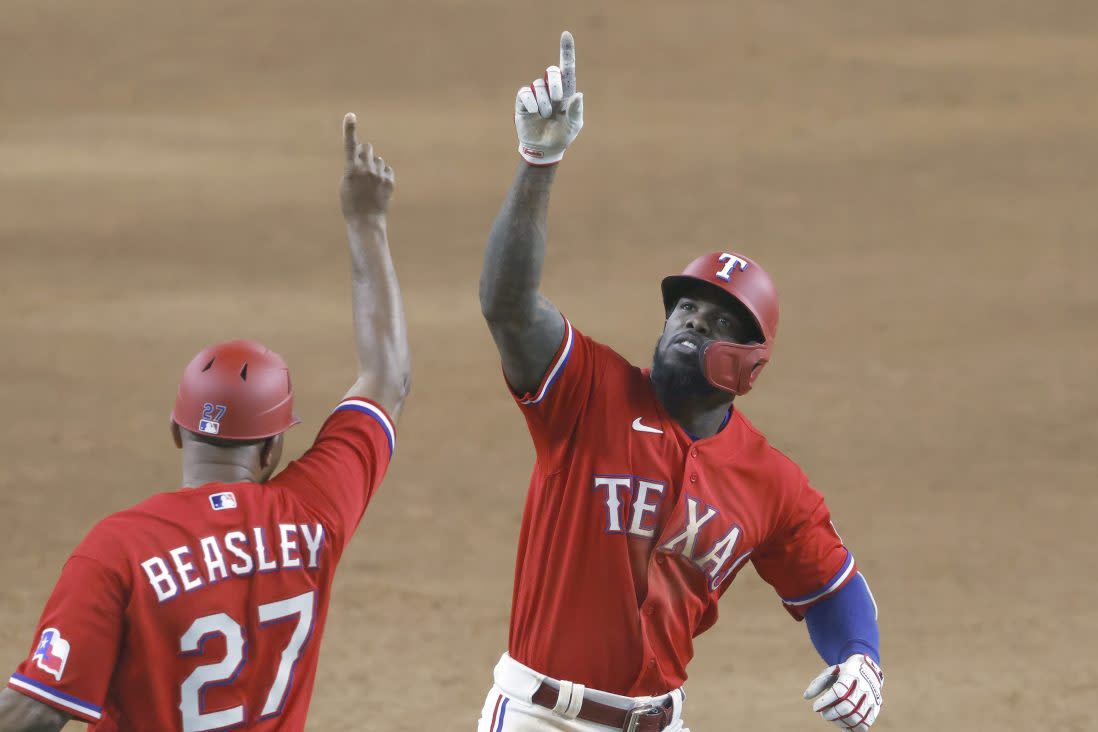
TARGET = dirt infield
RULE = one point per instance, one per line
(918, 177)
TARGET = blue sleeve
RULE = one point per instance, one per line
(845, 623)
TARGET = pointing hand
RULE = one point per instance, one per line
(549, 112)
(367, 182)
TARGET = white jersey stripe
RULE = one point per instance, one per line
(831, 586)
(555, 371)
(44, 692)
(376, 412)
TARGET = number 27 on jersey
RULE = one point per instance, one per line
(225, 671)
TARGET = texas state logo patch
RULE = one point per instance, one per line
(52, 653)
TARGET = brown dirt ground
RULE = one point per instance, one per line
(915, 175)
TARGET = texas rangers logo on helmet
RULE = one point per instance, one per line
(52, 653)
(732, 262)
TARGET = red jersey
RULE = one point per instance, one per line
(633, 529)
(203, 609)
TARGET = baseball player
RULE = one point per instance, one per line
(203, 608)
(650, 491)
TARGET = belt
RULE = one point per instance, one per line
(642, 718)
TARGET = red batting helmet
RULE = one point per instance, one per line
(237, 390)
(732, 367)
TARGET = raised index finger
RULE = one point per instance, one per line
(350, 122)
(568, 64)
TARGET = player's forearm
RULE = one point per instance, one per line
(845, 623)
(19, 713)
(381, 334)
(516, 248)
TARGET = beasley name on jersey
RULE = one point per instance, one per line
(233, 554)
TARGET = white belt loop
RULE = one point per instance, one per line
(564, 697)
(577, 701)
(678, 696)
(569, 700)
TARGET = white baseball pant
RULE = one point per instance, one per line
(509, 708)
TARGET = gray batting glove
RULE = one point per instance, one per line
(549, 112)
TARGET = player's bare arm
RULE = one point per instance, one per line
(526, 326)
(19, 713)
(381, 334)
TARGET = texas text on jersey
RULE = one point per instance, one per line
(203, 608)
(633, 529)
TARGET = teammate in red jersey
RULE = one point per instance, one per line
(650, 492)
(203, 608)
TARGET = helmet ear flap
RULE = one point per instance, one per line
(733, 367)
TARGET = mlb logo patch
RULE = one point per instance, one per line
(222, 501)
(209, 427)
(52, 653)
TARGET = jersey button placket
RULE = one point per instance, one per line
(693, 477)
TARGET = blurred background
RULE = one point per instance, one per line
(917, 177)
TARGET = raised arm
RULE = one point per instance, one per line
(381, 334)
(526, 326)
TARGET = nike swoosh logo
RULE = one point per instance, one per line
(645, 428)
